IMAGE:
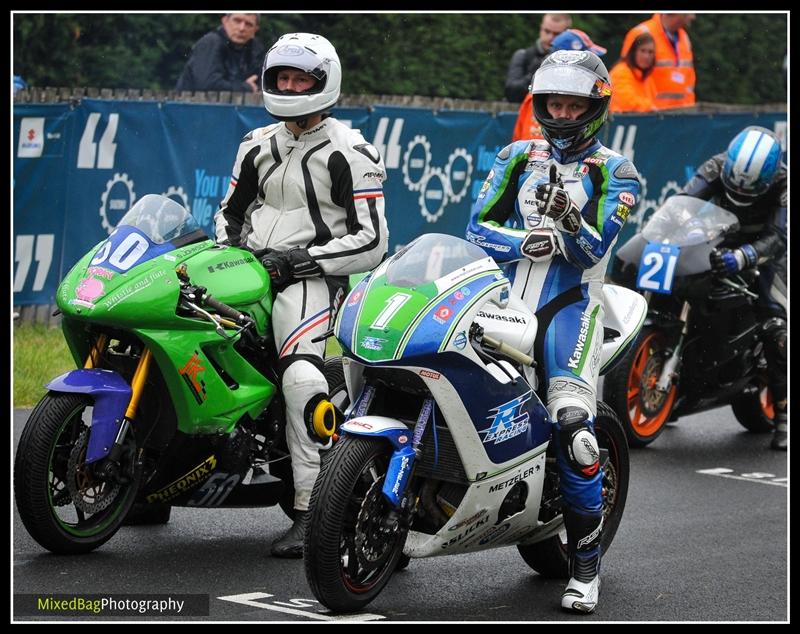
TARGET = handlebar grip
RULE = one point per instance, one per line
(509, 351)
(225, 310)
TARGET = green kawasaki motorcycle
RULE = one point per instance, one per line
(175, 402)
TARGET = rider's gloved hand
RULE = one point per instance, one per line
(728, 262)
(553, 201)
(541, 245)
(285, 267)
(278, 266)
(302, 264)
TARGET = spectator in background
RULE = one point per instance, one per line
(525, 61)
(227, 58)
(570, 40)
(673, 74)
(632, 79)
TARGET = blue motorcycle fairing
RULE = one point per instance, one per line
(111, 394)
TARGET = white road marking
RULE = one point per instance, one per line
(762, 478)
(250, 598)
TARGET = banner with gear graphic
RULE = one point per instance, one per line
(79, 168)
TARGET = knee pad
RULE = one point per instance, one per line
(577, 441)
(775, 339)
(305, 391)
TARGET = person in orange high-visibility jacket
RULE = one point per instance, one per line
(526, 127)
(632, 80)
(673, 76)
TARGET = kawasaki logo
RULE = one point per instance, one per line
(575, 358)
(511, 318)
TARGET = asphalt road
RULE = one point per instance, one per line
(703, 538)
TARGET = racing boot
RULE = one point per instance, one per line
(290, 546)
(780, 438)
(583, 544)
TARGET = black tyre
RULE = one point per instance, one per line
(754, 409)
(62, 503)
(143, 514)
(630, 389)
(351, 549)
(549, 557)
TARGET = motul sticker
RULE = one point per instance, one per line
(429, 374)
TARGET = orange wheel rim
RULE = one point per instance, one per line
(767, 406)
(643, 376)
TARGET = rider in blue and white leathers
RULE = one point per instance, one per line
(553, 210)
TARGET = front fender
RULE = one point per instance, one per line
(111, 395)
(402, 458)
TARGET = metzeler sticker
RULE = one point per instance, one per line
(628, 198)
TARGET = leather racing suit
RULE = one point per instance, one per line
(323, 192)
(562, 284)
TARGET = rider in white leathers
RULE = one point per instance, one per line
(307, 196)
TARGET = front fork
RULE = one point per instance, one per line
(110, 467)
(669, 373)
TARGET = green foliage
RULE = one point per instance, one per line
(738, 57)
(40, 354)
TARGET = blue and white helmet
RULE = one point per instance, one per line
(753, 158)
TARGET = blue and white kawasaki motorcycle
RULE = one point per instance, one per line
(446, 444)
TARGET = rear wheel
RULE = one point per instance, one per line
(754, 408)
(66, 504)
(631, 390)
(549, 557)
(354, 542)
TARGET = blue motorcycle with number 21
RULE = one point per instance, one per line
(446, 444)
(701, 344)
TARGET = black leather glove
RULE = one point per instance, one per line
(278, 267)
(284, 267)
(302, 264)
(727, 262)
(554, 201)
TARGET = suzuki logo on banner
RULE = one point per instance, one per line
(88, 150)
(31, 137)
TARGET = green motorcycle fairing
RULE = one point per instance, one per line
(129, 282)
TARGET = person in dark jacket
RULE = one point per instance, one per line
(526, 61)
(750, 180)
(227, 58)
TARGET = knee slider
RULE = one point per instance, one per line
(578, 440)
(321, 418)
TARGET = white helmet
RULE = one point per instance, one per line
(312, 54)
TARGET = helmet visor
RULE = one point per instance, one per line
(294, 56)
(565, 79)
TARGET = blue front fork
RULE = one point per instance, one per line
(402, 460)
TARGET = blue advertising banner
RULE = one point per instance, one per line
(78, 168)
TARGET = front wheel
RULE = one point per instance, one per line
(353, 543)
(63, 502)
(549, 557)
(631, 390)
